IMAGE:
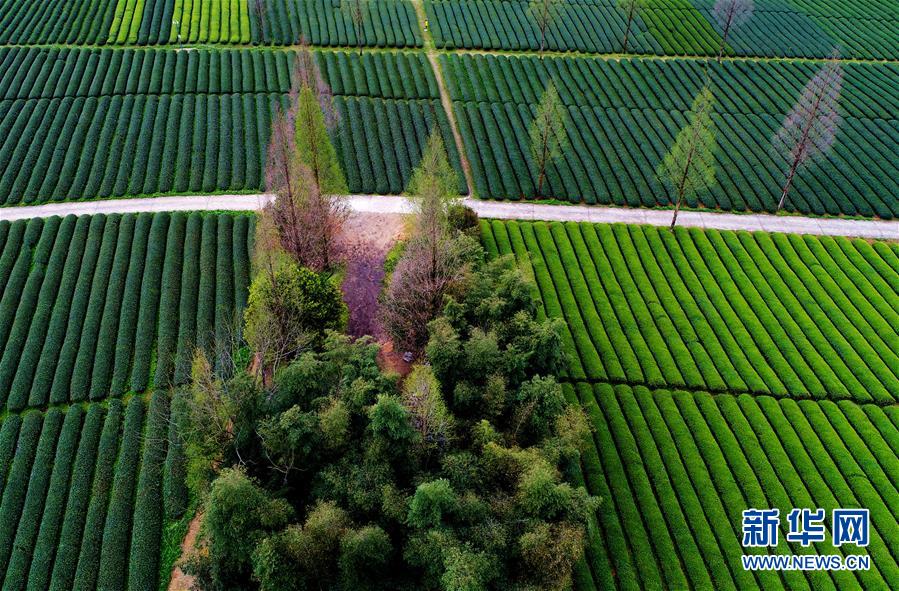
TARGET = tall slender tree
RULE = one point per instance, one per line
(435, 258)
(690, 164)
(357, 11)
(303, 170)
(729, 14)
(260, 9)
(810, 128)
(544, 13)
(631, 9)
(548, 135)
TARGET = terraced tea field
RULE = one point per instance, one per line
(655, 320)
(719, 370)
(795, 28)
(100, 306)
(678, 468)
(763, 313)
(388, 23)
(91, 123)
(624, 115)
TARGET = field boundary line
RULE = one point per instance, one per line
(733, 393)
(444, 51)
(503, 210)
(431, 52)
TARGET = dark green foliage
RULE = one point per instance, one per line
(100, 243)
(112, 567)
(43, 509)
(130, 306)
(66, 507)
(175, 497)
(145, 336)
(29, 346)
(104, 357)
(167, 340)
(27, 485)
(143, 566)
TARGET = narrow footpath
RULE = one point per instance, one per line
(503, 210)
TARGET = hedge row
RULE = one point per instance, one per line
(720, 311)
(209, 21)
(388, 23)
(613, 154)
(74, 148)
(382, 141)
(740, 86)
(671, 27)
(690, 463)
(88, 322)
(82, 506)
(30, 72)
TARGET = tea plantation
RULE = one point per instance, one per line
(719, 370)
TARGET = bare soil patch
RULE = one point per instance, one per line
(369, 237)
(179, 580)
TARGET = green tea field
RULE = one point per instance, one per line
(721, 365)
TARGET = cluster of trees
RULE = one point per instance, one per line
(321, 471)
(293, 298)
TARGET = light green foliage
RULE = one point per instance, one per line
(547, 132)
(690, 164)
(431, 501)
(290, 308)
(314, 147)
(433, 187)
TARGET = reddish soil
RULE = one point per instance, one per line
(180, 581)
(369, 237)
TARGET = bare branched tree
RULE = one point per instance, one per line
(434, 259)
(544, 13)
(260, 8)
(690, 164)
(810, 128)
(631, 9)
(548, 135)
(357, 11)
(729, 14)
(303, 172)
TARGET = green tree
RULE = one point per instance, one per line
(547, 132)
(237, 514)
(689, 165)
(301, 558)
(365, 554)
(289, 309)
